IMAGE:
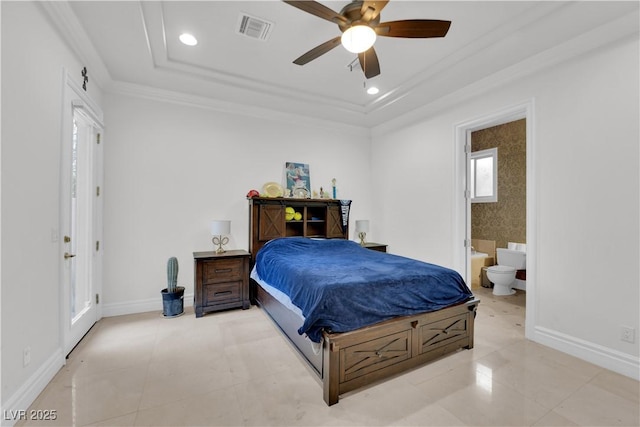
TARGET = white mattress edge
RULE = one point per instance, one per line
(277, 294)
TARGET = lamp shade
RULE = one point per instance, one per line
(220, 228)
(358, 38)
(362, 225)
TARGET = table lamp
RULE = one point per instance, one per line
(219, 230)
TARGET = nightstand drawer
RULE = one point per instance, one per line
(376, 246)
(222, 270)
(222, 292)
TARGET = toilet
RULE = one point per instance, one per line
(503, 275)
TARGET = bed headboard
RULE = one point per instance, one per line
(268, 219)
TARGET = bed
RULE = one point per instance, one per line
(335, 321)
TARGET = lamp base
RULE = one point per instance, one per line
(219, 240)
(362, 235)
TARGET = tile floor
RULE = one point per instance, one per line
(236, 369)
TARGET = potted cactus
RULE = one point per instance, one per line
(172, 295)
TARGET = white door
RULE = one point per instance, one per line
(81, 227)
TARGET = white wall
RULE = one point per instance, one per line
(171, 168)
(33, 58)
(586, 133)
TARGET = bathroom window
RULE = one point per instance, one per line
(484, 176)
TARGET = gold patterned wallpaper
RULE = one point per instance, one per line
(505, 220)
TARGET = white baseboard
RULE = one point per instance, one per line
(138, 306)
(622, 363)
(29, 391)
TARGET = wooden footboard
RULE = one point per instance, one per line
(351, 360)
(354, 359)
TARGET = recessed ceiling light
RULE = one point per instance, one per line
(188, 39)
(370, 87)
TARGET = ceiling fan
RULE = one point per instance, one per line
(360, 20)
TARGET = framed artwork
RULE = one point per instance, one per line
(298, 180)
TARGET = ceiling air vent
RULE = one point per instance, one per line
(255, 28)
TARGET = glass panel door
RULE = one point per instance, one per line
(79, 277)
(80, 249)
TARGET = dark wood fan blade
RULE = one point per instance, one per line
(317, 51)
(319, 10)
(369, 63)
(371, 9)
(413, 28)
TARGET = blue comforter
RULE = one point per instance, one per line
(340, 286)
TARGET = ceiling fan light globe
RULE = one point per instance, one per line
(358, 38)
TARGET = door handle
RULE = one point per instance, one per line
(67, 255)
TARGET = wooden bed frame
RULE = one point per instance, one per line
(351, 360)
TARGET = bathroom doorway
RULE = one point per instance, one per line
(486, 129)
(498, 185)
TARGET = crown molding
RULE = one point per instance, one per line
(195, 101)
(67, 24)
(279, 103)
(155, 31)
(441, 69)
(65, 21)
(624, 28)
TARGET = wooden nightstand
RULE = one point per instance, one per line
(221, 281)
(375, 246)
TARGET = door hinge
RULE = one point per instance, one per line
(97, 245)
(98, 191)
(467, 194)
(467, 243)
(467, 148)
(97, 298)
(97, 138)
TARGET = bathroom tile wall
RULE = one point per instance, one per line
(505, 220)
